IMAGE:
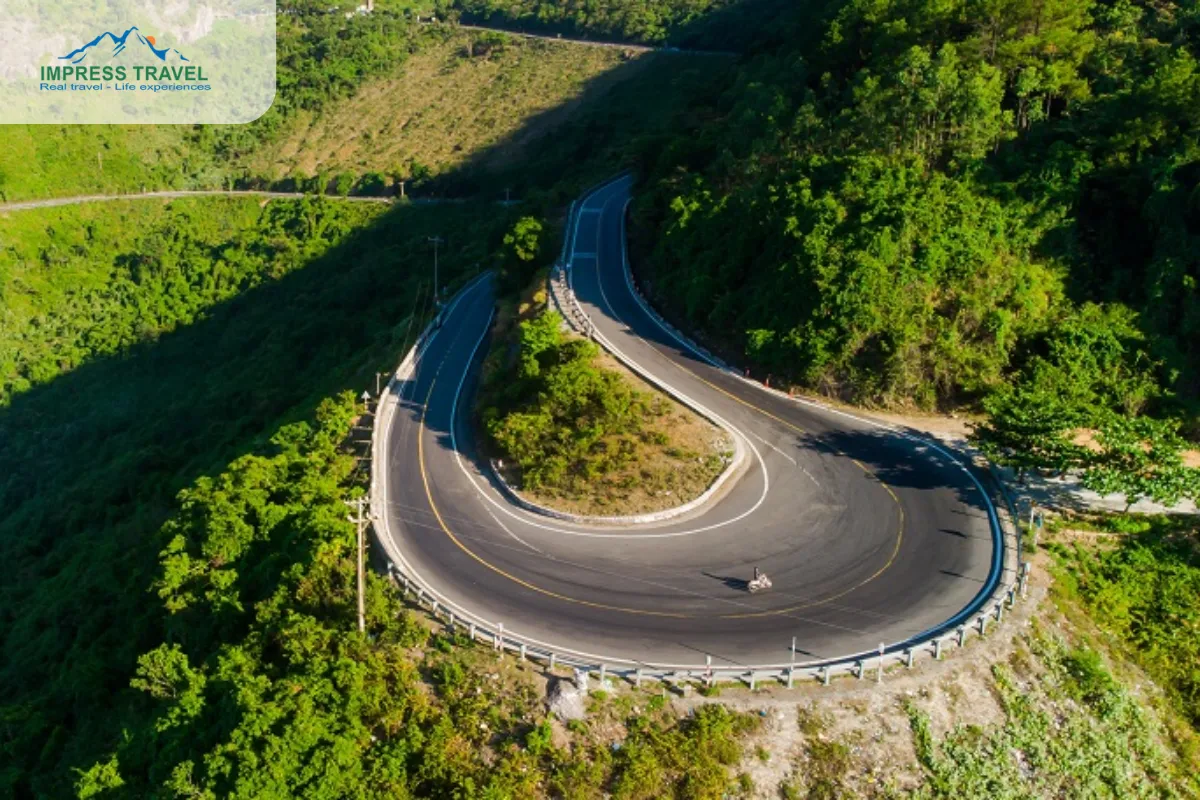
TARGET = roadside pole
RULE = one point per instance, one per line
(360, 523)
(437, 240)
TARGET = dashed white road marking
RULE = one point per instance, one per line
(506, 529)
(776, 449)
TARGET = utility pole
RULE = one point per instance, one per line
(360, 523)
(437, 240)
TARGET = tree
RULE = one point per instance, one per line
(1028, 428)
(524, 241)
(98, 779)
(165, 674)
(1141, 457)
(343, 183)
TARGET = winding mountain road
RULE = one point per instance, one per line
(869, 536)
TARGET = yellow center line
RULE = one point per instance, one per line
(856, 462)
(606, 607)
(492, 567)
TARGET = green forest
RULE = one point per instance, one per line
(988, 206)
(707, 24)
(262, 687)
(180, 377)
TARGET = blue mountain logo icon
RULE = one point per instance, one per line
(118, 46)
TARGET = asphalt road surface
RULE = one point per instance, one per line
(870, 537)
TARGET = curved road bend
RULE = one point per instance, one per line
(869, 537)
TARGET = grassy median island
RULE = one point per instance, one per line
(576, 431)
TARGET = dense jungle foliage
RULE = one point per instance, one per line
(164, 377)
(935, 202)
(262, 687)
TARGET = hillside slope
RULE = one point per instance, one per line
(450, 98)
(908, 202)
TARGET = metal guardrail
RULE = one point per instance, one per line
(931, 645)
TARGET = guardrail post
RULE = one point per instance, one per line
(752, 680)
(499, 639)
(708, 673)
(962, 635)
(908, 657)
(862, 668)
(471, 632)
(433, 609)
(603, 672)
(553, 658)
(1000, 611)
(937, 649)
(637, 678)
(522, 651)
(982, 624)
(1012, 597)
(825, 675)
(791, 676)
(1025, 578)
(879, 677)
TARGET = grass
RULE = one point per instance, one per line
(444, 108)
(679, 455)
(47, 161)
(653, 455)
(1070, 730)
(1134, 590)
(439, 111)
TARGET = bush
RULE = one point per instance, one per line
(563, 421)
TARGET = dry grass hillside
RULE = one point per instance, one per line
(445, 106)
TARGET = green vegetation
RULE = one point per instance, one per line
(1070, 730)
(725, 26)
(322, 58)
(391, 101)
(1144, 593)
(574, 429)
(263, 687)
(451, 105)
(910, 201)
(81, 282)
(570, 422)
(636, 20)
(91, 459)
(987, 202)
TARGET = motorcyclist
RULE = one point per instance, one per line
(761, 581)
